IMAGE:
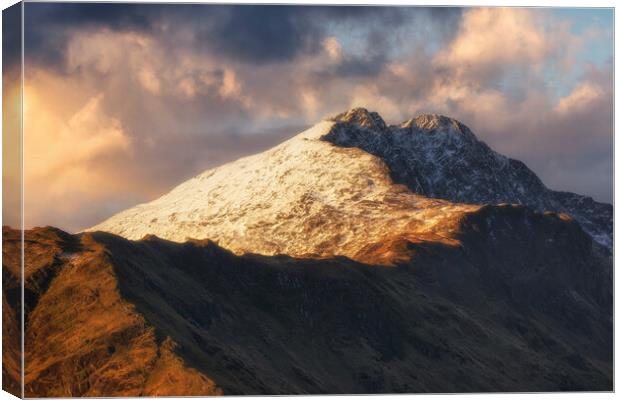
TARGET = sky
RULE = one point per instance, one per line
(125, 101)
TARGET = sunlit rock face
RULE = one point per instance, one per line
(348, 182)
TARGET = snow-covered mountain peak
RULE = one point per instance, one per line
(346, 183)
(442, 129)
(362, 117)
(431, 121)
(439, 124)
(303, 197)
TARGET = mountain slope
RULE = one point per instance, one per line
(348, 182)
(303, 197)
(511, 301)
(82, 338)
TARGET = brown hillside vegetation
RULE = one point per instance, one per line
(11, 310)
(513, 301)
(82, 337)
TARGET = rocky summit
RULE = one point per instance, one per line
(356, 257)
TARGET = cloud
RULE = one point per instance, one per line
(65, 156)
(494, 37)
(282, 33)
(262, 33)
(140, 63)
(580, 99)
(11, 148)
(11, 36)
(48, 27)
(245, 33)
(333, 48)
(230, 85)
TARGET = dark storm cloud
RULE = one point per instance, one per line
(263, 34)
(48, 26)
(360, 66)
(370, 62)
(116, 16)
(11, 36)
(394, 31)
(447, 19)
(245, 33)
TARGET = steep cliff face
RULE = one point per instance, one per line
(512, 300)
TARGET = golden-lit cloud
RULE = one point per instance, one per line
(11, 148)
(139, 61)
(231, 88)
(333, 48)
(149, 80)
(63, 142)
(495, 37)
(371, 97)
(55, 146)
(310, 101)
(581, 98)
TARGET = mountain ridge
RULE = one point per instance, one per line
(513, 301)
(469, 170)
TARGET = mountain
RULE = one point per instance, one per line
(511, 301)
(439, 157)
(355, 257)
(347, 182)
